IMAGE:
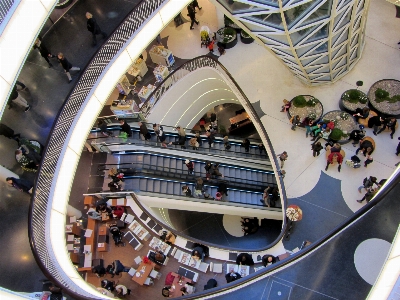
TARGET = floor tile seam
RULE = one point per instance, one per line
(368, 37)
(222, 230)
(265, 287)
(304, 287)
(299, 198)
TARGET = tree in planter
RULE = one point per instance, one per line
(300, 101)
(336, 134)
(222, 130)
(382, 95)
(355, 96)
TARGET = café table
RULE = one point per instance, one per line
(176, 286)
(142, 272)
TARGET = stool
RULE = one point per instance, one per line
(364, 122)
(138, 260)
(132, 272)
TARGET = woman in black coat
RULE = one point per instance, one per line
(67, 66)
(44, 52)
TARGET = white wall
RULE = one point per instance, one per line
(204, 88)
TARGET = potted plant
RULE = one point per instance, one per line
(384, 96)
(227, 37)
(336, 134)
(353, 99)
(245, 37)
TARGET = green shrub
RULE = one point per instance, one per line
(227, 21)
(222, 130)
(381, 94)
(245, 34)
(336, 134)
(299, 101)
(312, 102)
(355, 96)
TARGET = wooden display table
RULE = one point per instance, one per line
(142, 272)
(145, 92)
(138, 68)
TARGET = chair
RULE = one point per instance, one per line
(154, 274)
(138, 260)
(216, 268)
(132, 272)
(148, 281)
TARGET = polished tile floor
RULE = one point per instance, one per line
(325, 195)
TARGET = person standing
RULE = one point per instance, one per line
(20, 184)
(192, 15)
(44, 52)
(8, 132)
(375, 122)
(398, 147)
(144, 131)
(125, 127)
(246, 145)
(295, 120)
(368, 160)
(283, 157)
(159, 131)
(94, 28)
(67, 66)
(368, 182)
(316, 148)
(390, 123)
(16, 98)
(190, 166)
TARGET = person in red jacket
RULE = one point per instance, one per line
(331, 160)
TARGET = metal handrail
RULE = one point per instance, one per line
(38, 216)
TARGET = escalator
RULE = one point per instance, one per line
(166, 174)
(115, 144)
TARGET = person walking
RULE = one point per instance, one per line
(103, 128)
(283, 157)
(44, 52)
(192, 15)
(368, 182)
(20, 184)
(375, 122)
(16, 98)
(389, 123)
(368, 160)
(196, 4)
(94, 28)
(295, 120)
(398, 147)
(368, 195)
(316, 148)
(67, 66)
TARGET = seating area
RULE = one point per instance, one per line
(141, 239)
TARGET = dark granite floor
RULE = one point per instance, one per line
(329, 272)
(47, 90)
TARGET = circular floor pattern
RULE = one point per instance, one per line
(232, 225)
(369, 258)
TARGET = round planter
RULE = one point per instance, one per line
(345, 125)
(63, 3)
(349, 106)
(222, 42)
(304, 112)
(393, 87)
(246, 40)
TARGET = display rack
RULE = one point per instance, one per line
(161, 56)
(145, 92)
(138, 68)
